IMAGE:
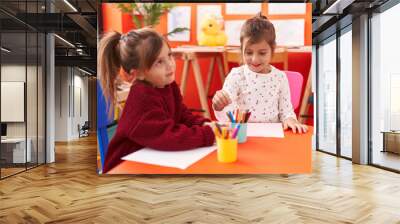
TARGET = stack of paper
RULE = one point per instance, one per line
(177, 159)
(274, 130)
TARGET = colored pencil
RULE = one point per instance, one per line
(219, 128)
(248, 117)
(236, 131)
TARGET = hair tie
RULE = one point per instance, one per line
(261, 16)
(123, 37)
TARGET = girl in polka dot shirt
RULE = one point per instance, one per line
(257, 86)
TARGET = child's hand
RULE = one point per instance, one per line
(294, 125)
(220, 100)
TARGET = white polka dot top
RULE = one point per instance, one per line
(266, 96)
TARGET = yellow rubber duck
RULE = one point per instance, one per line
(211, 32)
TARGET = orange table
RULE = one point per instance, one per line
(288, 155)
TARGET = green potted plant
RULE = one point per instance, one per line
(148, 14)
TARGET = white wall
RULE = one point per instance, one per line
(61, 103)
(70, 83)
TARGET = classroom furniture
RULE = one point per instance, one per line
(307, 101)
(291, 154)
(83, 131)
(190, 56)
(105, 126)
(13, 150)
(391, 141)
(104, 136)
(295, 80)
(307, 98)
(3, 130)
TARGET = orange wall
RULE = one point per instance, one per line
(113, 19)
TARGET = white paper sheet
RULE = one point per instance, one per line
(274, 130)
(232, 30)
(289, 32)
(203, 11)
(286, 8)
(242, 8)
(179, 16)
(176, 159)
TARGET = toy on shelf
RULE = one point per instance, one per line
(211, 32)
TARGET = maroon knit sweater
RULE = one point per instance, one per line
(156, 118)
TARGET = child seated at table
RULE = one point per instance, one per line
(257, 86)
(154, 115)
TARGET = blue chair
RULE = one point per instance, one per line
(105, 126)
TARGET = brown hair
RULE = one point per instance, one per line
(137, 49)
(257, 29)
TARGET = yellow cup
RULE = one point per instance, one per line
(227, 150)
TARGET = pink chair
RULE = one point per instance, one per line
(295, 83)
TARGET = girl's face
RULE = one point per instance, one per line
(257, 56)
(162, 72)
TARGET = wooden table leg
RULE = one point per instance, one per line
(210, 75)
(285, 65)
(225, 62)
(185, 74)
(200, 87)
(221, 70)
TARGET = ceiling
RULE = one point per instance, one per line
(72, 20)
(330, 15)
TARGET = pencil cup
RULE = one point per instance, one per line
(242, 134)
(227, 150)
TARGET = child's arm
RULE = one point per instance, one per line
(190, 119)
(156, 130)
(230, 88)
(187, 117)
(221, 115)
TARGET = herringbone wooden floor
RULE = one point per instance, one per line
(70, 191)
